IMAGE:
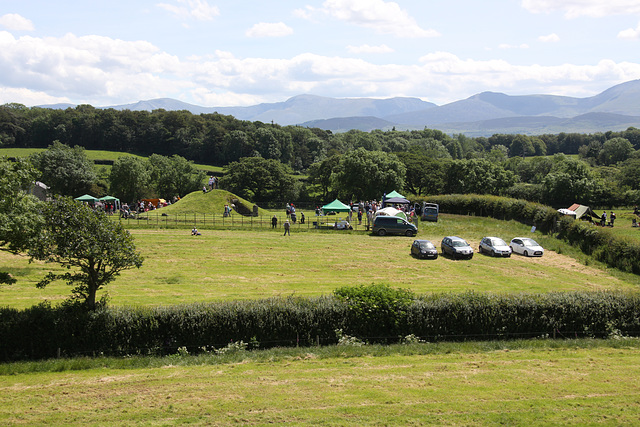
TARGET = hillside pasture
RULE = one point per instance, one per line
(538, 383)
(248, 264)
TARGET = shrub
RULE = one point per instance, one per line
(375, 310)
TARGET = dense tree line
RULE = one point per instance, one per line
(219, 139)
(599, 168)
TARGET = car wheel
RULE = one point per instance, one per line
(409, 233)
(494, 254)
(382, 232)
(526, 253)
(480, 250)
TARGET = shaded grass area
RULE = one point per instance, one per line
(519, 382)
(241, 264)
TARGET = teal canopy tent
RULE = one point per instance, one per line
(87, 198)
(393, 194)
(335, 206)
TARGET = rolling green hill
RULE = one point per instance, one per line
(211, 202)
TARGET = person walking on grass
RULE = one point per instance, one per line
(286, 228)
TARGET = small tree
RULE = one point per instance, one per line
(76, 237)
(19, 215)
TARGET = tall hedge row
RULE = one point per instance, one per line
(44, 331)
(504, 208)
(614, 250)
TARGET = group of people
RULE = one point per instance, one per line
(603, 219)
(290, 210)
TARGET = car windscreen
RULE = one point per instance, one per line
(427, 245)
(458, 244)
(529, 242)
(498, 242)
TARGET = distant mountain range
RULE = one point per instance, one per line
(483, 114)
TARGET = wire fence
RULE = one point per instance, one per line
(235, 220)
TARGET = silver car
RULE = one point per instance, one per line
(494, 246)
(526, 246)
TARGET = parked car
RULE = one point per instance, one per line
(494, 246)
(424, 249)
(526, 246)
(456, 247)
(383, 225)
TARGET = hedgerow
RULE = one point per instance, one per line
(44, 331)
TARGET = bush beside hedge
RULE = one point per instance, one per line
(44, 331)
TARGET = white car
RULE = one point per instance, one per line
(526, 247)
(494, 246)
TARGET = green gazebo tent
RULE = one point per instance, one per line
(335, 206)
(393, 194)
(87, 198)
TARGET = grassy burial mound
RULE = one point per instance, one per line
(211, 202)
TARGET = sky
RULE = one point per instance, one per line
(218, 53)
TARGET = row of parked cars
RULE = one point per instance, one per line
(458, 248)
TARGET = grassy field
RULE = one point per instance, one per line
(537, 382)
(243, 264)
(533, 383)
(93, 155)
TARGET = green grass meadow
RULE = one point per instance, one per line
(581, 383)
(249, 264)
(535, 382)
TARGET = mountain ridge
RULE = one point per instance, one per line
(481, 114)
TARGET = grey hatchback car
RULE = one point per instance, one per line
(456, 247)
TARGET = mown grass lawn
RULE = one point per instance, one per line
(243, 264)
(501, 384)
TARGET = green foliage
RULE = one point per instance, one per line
(130, 178)
(477, 176)
(366, 175)
(86, 241)
(569, 181)
(38, 332)
(375, 310)
(67, 171)
(174, 176)
(259, 179)
(615, 150)
(19, 216)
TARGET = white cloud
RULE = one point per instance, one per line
(15, 22)
(264, 29)
(104, 71)
(383, 17)
(576, 8)
(365, 48)
(199, 10)
(90, 68)
(630, 33)
(551, 38)
(29, 97)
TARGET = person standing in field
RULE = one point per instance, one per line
(274, 221)
(286, 228)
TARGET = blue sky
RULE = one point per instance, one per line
(244, 52)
